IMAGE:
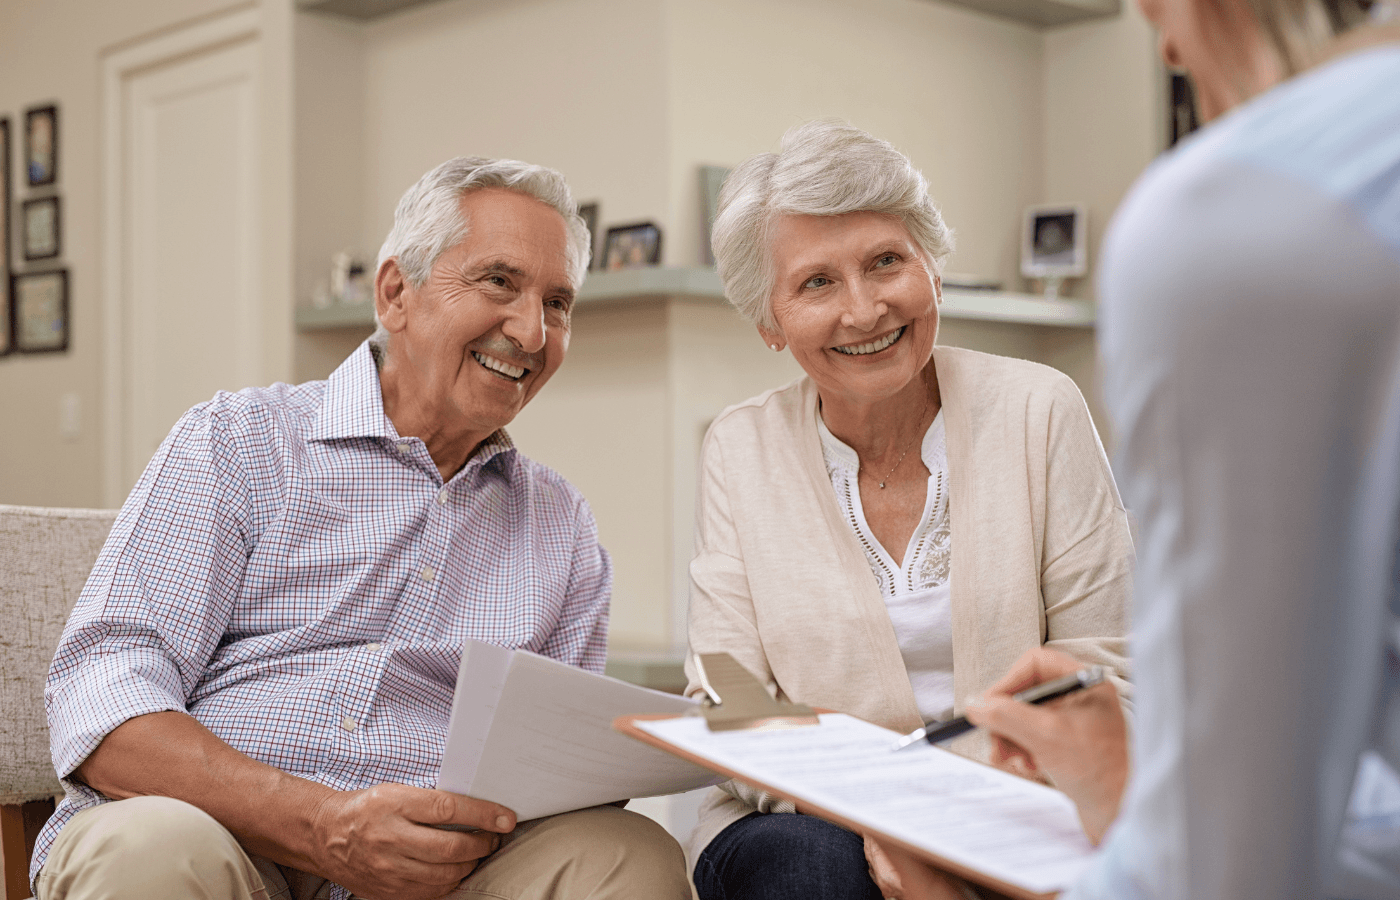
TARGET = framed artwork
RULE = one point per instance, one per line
(1055, 241)
(711, 180)
(632, 246)
(39, 228)
(41, 145)
(589, 213)
(39, 311)
(1181, 108)
(6, 198)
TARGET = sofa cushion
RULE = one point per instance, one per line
(45, 557)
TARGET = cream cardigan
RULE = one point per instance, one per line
(1041, 552)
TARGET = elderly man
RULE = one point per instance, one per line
(261, 666)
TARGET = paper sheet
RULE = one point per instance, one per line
(535, 735)
(1012, 829)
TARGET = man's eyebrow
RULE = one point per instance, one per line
(498, 267)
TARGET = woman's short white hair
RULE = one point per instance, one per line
(428, 219)
(822, 168)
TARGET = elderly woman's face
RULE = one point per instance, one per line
(856, 300)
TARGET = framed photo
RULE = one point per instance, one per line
(632, 246)
(39, 311)
(6, 197)
(711, 180)
(1055, 242)
(1181, 108)
(589, 213)
(41, 145)
(39, 228)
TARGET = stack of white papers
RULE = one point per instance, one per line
(535, 735)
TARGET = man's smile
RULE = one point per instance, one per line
(874, 346)
(500, 368)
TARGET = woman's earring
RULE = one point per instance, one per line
(774, 347)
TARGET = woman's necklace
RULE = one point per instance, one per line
(918, 437)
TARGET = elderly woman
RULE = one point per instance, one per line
(888, 534)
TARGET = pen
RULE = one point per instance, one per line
(937, 732)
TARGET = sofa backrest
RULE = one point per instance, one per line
(45, 558)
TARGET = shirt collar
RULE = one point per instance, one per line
(353, 406)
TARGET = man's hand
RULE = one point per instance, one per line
(1080, 741)
(379, 842)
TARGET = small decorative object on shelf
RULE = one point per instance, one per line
(41, 145)
(711, 180)
(589, 213)
(39, 311)
(349, 285)
(1055, 245)
(632, 246)
(40, 228)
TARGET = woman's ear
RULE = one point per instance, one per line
(773, 339)
(389, 289)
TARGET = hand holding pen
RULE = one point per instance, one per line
(1080, 745)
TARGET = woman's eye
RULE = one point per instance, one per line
(888, 259)
(816, 281)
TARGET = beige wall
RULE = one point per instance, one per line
(958, 92)
(50, 51)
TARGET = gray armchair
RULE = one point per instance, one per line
(45, 557)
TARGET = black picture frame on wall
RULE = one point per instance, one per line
(39, 311)
(41, 228)
(41, 145)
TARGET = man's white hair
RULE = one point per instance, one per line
(429, 220)
(822, 168)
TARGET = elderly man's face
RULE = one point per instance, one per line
(491, 324)
(856, 300)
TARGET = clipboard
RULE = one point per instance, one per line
(797, 719)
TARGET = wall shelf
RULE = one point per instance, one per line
(700, 283)
(1039, 13)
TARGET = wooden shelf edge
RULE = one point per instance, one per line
(701, 283)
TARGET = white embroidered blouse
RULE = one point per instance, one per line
(917, 593)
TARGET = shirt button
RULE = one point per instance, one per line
(403, 446)
(348, 724)
(372, 648)
(442, 497)
(427, 573)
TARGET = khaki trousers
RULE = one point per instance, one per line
(155, 847)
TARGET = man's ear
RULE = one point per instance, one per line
(389, 289)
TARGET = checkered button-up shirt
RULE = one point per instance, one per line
(296, 576)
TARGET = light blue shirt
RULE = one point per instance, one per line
(1250, 290)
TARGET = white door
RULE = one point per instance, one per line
(183, 261)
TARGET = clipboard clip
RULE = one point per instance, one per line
(734, 699)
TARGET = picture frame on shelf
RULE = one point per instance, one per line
(632, 246)
(41, 145)
(40, 228)
(711, 180)
(39, 312)
(589, 213)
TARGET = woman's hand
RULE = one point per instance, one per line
(1079, 741)
(882, 871)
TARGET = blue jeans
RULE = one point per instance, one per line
(784, 856)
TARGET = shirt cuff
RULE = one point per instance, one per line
(110, 688)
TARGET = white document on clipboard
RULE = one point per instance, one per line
(535, 735)
(935, 802)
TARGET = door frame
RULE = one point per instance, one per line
(117, 66)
